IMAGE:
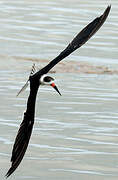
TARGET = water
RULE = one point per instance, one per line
(75, 136)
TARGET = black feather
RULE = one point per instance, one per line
(21, 143)
(78, 41)
(25, 130)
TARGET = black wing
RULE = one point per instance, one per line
(25, 130)
(21, 143)
(78, 41)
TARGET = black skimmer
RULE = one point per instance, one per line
(41, 78)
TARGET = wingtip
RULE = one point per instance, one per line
(105, 14)
(7, 175)
(10, 171)
(109, 6)
(108, 9)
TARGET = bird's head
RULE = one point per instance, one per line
(48, 80)
(35, 81)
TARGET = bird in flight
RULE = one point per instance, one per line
(36, 79)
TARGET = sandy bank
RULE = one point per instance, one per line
(76, 67)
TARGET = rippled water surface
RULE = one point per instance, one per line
(75, 136)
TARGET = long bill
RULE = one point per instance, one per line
(55, 87)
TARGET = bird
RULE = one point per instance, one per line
(36, 79)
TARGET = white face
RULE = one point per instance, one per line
(46, 80)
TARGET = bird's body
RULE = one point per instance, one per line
(41, 78)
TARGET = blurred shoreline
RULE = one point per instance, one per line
(69, 66)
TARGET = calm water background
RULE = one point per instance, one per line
(75, 136)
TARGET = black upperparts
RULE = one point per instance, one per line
(78, 41)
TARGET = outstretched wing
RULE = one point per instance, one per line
(78, 41)
(21, 144)
(25, 130)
